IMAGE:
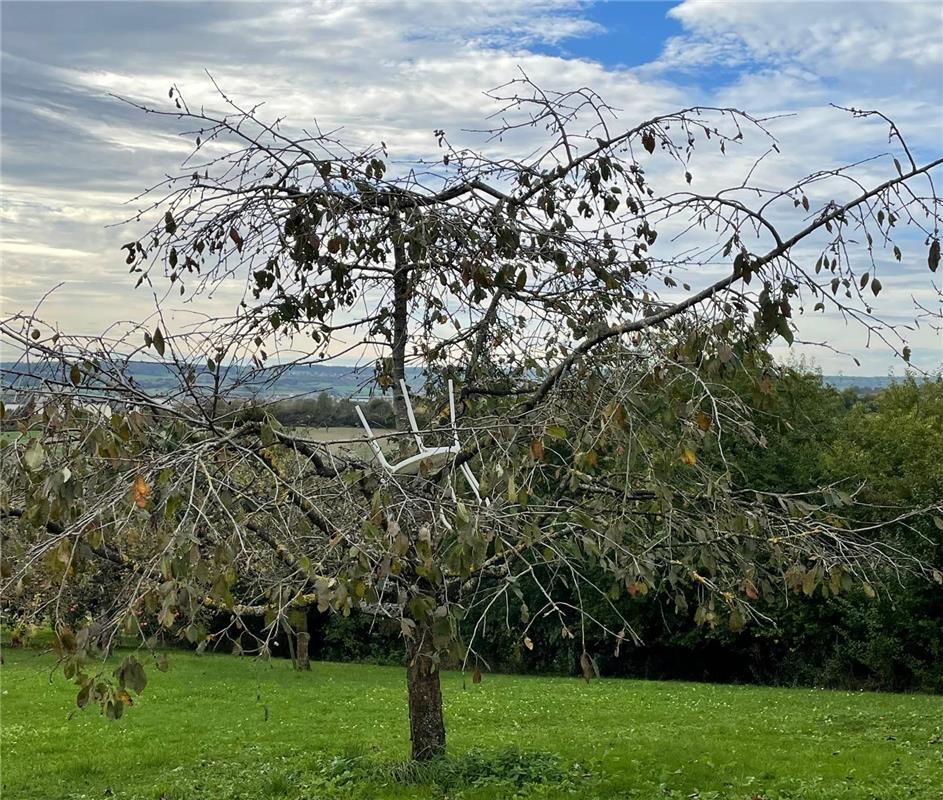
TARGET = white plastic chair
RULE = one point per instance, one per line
(435, 457)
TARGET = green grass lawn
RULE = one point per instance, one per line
(218, 726)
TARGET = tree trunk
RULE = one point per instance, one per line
(302, 639)
(400, 329)
(426, 723)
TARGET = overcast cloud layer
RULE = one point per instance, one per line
(72, 155)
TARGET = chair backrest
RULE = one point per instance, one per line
(438, 452)
(410, 415)
(452, 415)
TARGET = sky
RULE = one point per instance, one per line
(72, 156)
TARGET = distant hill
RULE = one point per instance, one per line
(160, 379)
(340, 381)
(867, 383)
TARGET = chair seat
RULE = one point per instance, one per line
(435, 457)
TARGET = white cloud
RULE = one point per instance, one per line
(844, 40)
(40, 250)
(72, 157)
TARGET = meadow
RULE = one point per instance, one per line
(219, 726)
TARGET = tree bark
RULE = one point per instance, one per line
(426, 722)
(302, 640)
(400, 328)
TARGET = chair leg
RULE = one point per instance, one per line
(452, 414)
(410, 415)
(371, 440)
(472, 480)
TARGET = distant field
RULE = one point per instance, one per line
(347, 438)
(11, 436)
(223, 728)
(338, 433)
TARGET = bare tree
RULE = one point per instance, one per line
(590, 354)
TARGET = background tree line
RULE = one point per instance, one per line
(889, 440)
(325, 410)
